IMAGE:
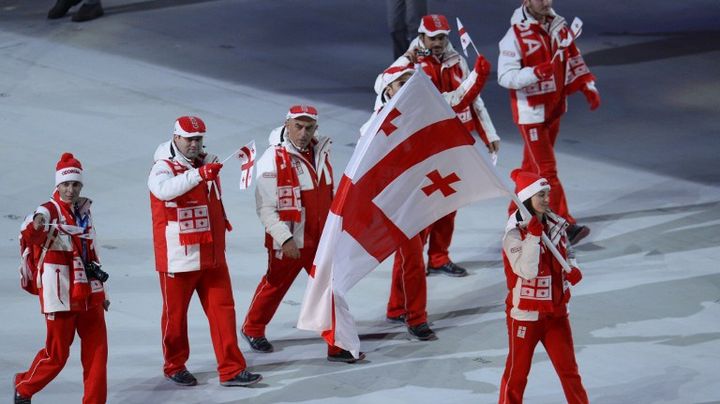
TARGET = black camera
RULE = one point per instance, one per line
(94, 270)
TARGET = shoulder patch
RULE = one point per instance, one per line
(269, 175)
(508, 53)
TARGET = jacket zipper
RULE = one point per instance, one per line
(57, 275)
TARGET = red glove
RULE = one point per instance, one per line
(210, 171)
(592, 96)
(544, 71)
(482, 66)
(574, 276)
(535, 227)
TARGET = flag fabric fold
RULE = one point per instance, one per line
(414, 164)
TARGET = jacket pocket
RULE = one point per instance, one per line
(55, 287)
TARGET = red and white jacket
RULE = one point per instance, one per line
(451, 78)
(523, 256)
(529, 43)
(174, 182)
(316, 190)
(59, 274)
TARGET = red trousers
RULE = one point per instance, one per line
(49, 361)
(273, 286)
(408, 291)
(215, 292)
(439, 236)
(556, 337)
(539, 157)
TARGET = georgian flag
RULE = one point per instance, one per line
(414, 164)
(465, 40)
(246, 155)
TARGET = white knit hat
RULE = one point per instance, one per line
(68, 169)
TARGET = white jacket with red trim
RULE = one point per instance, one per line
(171, 177)
(316, 187)
(60, 269)
(522, 81)
(524, 253)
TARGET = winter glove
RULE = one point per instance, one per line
(574, 276)
(482, 66)
(544, 71)
(535, 227)
(210, 171)
(592, 96)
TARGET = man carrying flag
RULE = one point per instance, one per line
(447, 69)
(293, 195)
(414, 164)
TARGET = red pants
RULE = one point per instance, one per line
(556, 337)
(539, 157)
(215, 292)
(439, 239)
(61, 327)
(408, 291)
(273, 286)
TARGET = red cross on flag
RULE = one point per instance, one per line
(414, 164)
(246, 155)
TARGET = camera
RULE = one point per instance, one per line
(94, 270)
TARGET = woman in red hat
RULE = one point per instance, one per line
(539, 290)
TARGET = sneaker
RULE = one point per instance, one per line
(21, 399)
(345, 356)
(88, 12)
(449, 269)
(182, 378)
(396, 320)
(259, 344)
(61, 8)
(243, 378)
(576, 233)
(422, 332)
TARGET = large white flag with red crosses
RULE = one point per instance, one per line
(414, 164)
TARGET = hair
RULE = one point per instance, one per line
(528, 205)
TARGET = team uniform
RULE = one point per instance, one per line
(536, 304)
(538, 104)
(54, 267)
(189, 225)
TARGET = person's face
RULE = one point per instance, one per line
(394, 87)
(436, 43)
(539, 8)
(190, 147)
(541, 202)
(300, 131)
(69, 191)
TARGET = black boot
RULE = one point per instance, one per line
(61, 8)
(242, 379)
(88, 12)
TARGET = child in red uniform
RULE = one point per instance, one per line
(538, 293)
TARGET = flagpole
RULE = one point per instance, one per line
(228, 157)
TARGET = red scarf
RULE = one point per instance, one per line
(192, 212)
(288, 187)
(80, 288)
(538, 47)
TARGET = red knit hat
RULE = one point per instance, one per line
(68, 169)
(297, 111)
(528, 184)
(433, 25)
(189, 126)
